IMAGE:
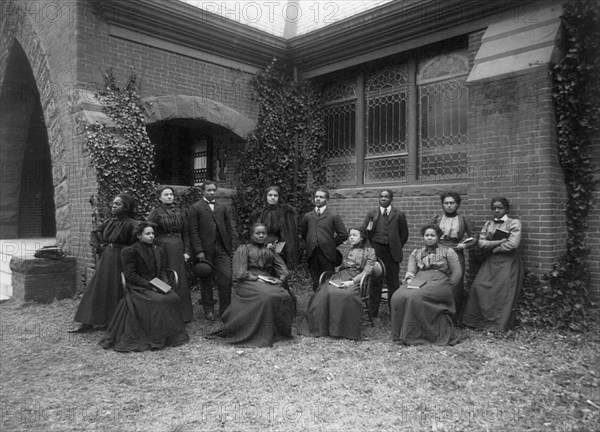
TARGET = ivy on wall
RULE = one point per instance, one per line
(284, 149)
(123, 155)
(562, 299)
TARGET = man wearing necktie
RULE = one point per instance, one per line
(210, 227)
(387, 228)
(322, 230)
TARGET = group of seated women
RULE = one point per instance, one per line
(423, 310)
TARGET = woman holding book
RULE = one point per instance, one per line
(103, 293)
(335, 308)
(172, 237)
(150, 315)
(261, 308)
(498, 283)
(423, 307)
(281, 222)
(456, 234)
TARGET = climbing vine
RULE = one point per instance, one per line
(121, 153)
(562, 300)
(285, 147)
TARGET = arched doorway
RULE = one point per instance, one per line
(189, 151)
(27, 201)
(195, 138)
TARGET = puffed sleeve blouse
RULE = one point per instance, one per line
(440, 258)
(512, 226)
(249, 257)
(359, 259)
(170, 220)
(116, 230)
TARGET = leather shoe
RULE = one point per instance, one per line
(81, 328)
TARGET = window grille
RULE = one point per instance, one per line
(443, 118)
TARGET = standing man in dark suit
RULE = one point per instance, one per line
(322, 230)
(210, 229)
(388, 231)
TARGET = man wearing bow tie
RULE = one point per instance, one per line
(388, 231)
(210, 228)
(322, 230)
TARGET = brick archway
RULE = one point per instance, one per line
(25, 97)
(193, 107)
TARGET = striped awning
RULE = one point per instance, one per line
(522, 40)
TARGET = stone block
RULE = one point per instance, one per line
(43, 280)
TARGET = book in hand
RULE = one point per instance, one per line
(500, 234)
(161, 286)
(413, 284)
(336, 283)
(465, 241)
(279, 247)
(269, 279)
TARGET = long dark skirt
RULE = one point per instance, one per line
(494, 292)
(173, 248)
(258, 314)
(103, 293)
(424, 315)
(459, 289)
(334, 311)
(146, 320)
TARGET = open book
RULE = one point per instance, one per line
(160, 285)
(268, 279)
(336, 283)
(500, 234)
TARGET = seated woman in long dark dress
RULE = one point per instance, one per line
(423, 307)
(172, 237)
(281, 221)
(261, 309)
(145, 318)
(497, 285)
(103, 293)
(335, 309)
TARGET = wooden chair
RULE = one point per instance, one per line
(365, 285)
(366, 282)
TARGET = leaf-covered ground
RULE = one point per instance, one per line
(55, 381)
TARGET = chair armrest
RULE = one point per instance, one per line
(324, 276)
(174, 276)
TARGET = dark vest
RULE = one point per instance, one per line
(380, 230)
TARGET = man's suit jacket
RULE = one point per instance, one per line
(205, 225)
(327, 231)
(397, 229)
(137, 268)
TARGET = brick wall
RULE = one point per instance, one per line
(511, 153)
(161, 72)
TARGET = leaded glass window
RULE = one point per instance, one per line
(340, 128)
(442, 144)
(386, 148)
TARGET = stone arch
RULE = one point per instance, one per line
(19, 39)
(171, 107)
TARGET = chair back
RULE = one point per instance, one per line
(378, 271)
